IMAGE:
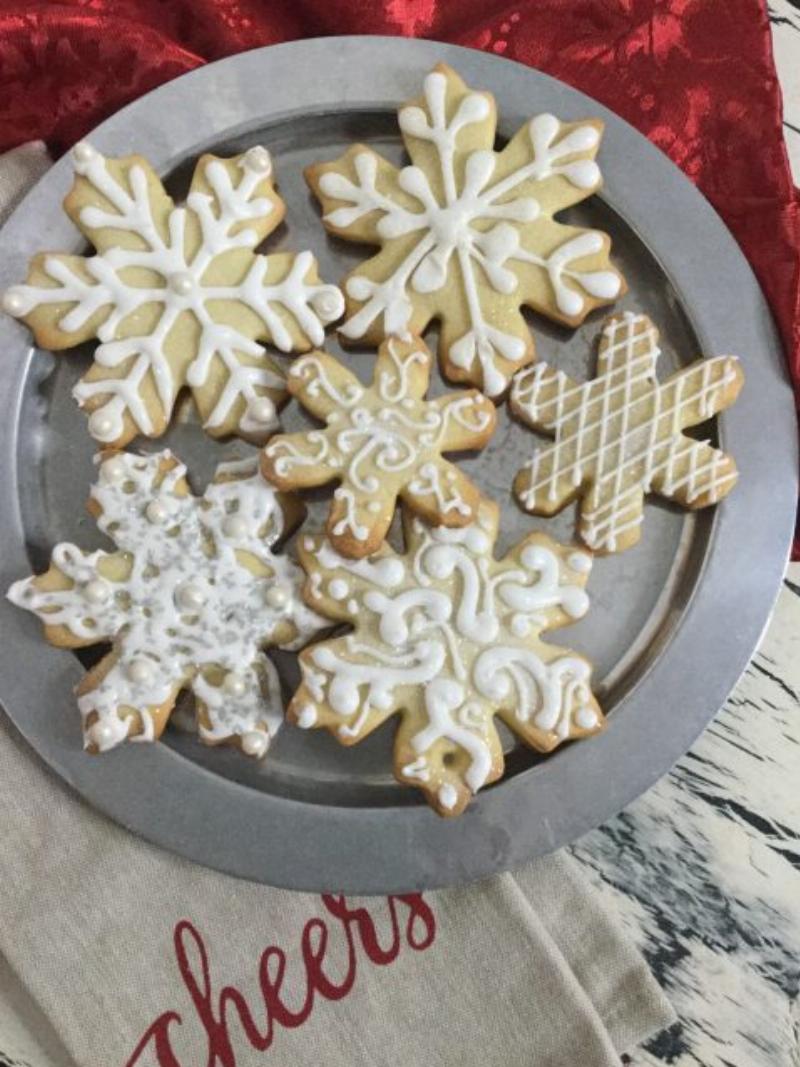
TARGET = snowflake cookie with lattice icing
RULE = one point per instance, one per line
(448, 637)
(621, 435)
(176, 295)
(467, 234)
(189, 601)
(381, 442)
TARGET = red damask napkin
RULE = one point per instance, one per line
(696, 77)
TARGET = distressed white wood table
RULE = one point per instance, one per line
(704, 870)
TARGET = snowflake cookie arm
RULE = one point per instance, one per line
(243, 514)
(67, 299)
(547, 694)
(564, 271)
(335, 672)
(85, 593)
(131, 491)
(357, 192)
(75, 597)
(310, 458)
(115, 706)
(362, 200)
(248, 713)
(442, 493)
(323, 385)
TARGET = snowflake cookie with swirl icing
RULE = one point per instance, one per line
(176, 295)
(448, 637)
(381, 442)
(621, 435)
(467, 234)
(189, 601)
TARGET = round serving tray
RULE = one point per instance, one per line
(673, 623)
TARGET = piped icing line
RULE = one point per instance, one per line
(144, 329)
(463, 217)
(621, 435)
(380, 441)
(190, 599)
(447, 637)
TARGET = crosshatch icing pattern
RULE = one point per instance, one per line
(621, 436)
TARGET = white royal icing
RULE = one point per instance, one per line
(439, 629)
(182, 288)
(622, 434)
(374, 437)
(445, 232)
(188, 604)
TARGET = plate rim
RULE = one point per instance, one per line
(347, 849)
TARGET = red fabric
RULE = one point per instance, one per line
(696, 78)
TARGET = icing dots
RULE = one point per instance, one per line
(187, 601)
(621, 435)
(467, 233)
(183, 282)
(448, 637)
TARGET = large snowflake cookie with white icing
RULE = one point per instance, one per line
(467, 234)
(381, 442)
(621, 435)
(448, 637)
(189, 600)
(176, 295)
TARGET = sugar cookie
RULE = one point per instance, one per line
(176, 295)
(467, 234)
(381, 442)
(621, 435)
(448, 637)
(188, 601)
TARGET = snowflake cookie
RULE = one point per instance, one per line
(448, 637)
(176, 295)
(381, 442)
(189, 600)
(467, 234)
(621, 435)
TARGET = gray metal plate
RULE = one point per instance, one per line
(674, 620)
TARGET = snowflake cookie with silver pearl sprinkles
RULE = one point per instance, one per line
(447, 637)
(621, 436)
(189, 601)
(381, 442)
(467, 234)
(176, 296)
